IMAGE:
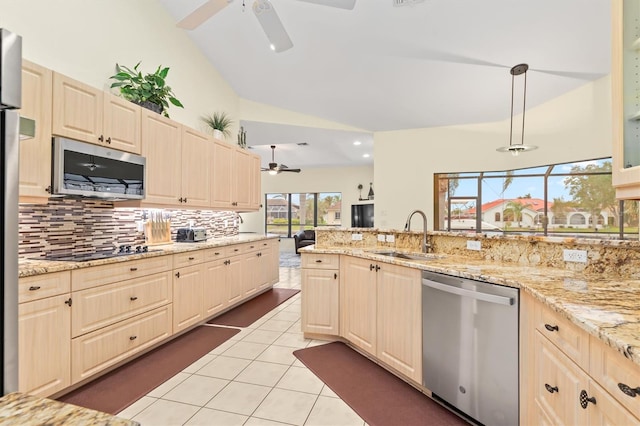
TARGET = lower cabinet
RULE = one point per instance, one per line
(188, 284)
(44, 342)
(563, 381)
(93, 352)
(381, 312)
(320, 294)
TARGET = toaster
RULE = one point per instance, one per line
(191, 235)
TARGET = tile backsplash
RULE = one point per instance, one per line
(74, 226)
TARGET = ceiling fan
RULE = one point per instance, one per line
(275, 168)
(265, 12)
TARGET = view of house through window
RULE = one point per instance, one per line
(286, 214)
(574, 199)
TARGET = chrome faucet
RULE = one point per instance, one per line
(407, 227)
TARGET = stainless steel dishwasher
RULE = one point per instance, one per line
(470, 346)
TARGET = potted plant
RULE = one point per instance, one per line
(149, 91)
(220, 123)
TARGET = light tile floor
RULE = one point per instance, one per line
(253, 379)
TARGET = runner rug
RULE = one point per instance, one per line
(123, 386)
(378, 396)
(249, 312)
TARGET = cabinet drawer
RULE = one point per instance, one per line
(96, 351)
(320, 261)
(102, 306)
(568, 337)
(613, 371)
(216, 253)
(82, 279)
(236, 249)
(41, 286)
(189, 258)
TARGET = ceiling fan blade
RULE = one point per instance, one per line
(272, 26)
(342, 4)
(590, 76)
(201, 14)
(289, 170)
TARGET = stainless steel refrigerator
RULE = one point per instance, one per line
(10, 102)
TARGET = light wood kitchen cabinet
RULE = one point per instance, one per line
(104, 305)
(562, 371)
(358, 303)
(162, 148)
(40, 286)
(44, 345)
(399, 316)
(625, 53)
(93, 352)
(270, 258)
(188, 284)
(35, 153)
(196, 166)
(235, 180)
(215, 293)
(85, 113)
(320, 294)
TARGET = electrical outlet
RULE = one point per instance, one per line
(578, 256)
(356, 237)
(381, 238)
(474, 245)
(391, 238)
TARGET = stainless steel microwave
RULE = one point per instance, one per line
(85, 170)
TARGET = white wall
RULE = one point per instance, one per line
(341, 179)
(573, 127)
(85, 39)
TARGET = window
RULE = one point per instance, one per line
(575, 199)
(286, 214)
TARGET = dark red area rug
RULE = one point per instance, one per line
(123, 386)
(249, 312)
(378, 396)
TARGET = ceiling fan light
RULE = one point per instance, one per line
(273, 172)
(272, 26)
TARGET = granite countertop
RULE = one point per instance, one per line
(33, 266)
(606, 307)
(19, 408)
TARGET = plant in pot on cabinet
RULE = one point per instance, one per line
(149, 90)
(220, 123)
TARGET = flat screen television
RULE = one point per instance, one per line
(362, 215)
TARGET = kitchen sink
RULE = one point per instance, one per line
(408, 256)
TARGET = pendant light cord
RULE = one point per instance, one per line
(511, 126)
(524, 102)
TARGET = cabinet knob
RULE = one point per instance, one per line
(216, 253)
(133, 337)
(550, 389)
(68, 302)
(101, 138)
(371, 267)
(133, 269)
(177, 274)
(48, 189)
(628, 390)
(335, 276)
(192, 258)
(318, 261)
(377, 268)
(109, 140)
(34, 288)
(551, 327)
(585, 400)
(133, 298)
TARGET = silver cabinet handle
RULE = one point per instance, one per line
(491, 298)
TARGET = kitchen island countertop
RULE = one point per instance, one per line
(605, 306)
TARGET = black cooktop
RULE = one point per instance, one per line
(97, 255)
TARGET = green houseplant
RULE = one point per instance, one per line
(149, 90)
(219, 122)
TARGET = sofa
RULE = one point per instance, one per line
(303, 238)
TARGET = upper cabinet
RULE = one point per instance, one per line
(625, 55)
(35, 153)
(235, 178)
(88, 114)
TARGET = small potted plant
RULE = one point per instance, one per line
(220, 123)
(149, 91)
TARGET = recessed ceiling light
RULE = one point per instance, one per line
(357, 143)
(272, 46)
(366, 155)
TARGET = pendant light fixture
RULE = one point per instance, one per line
(517, 148)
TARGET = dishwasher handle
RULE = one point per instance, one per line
(486, 297)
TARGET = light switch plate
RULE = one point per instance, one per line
(356, 237)
(577, 256)
(474, 245)
(381, 238)
(391, 238)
